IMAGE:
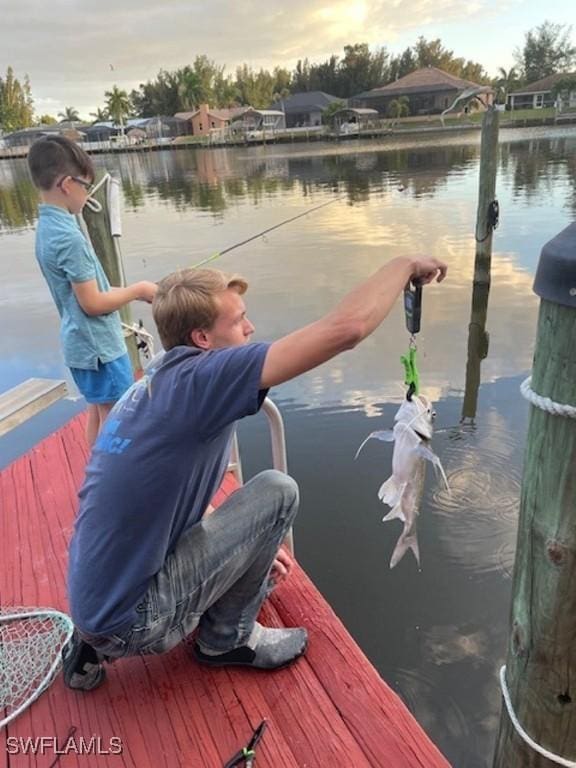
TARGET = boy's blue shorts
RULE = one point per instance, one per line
(108, 383)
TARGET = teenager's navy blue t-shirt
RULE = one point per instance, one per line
(154, 469)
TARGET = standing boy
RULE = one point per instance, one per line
(90, 330)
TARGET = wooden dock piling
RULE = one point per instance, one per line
(478, 338)
(541, 663)
(486, 196)
(98, 226)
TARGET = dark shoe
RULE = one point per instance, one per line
(82, 665)
(267, 649)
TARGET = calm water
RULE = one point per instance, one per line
(437, 636)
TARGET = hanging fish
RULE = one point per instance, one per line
(402, 492)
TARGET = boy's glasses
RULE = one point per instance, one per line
(88, 186)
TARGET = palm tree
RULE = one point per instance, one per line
(399, 107)
(100, 115)
(118, 106)
(189, 88)
(505, 81)
(69, 115)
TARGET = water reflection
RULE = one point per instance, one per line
(478, 344)
(436, 636)
(536, 167)
(477, 518)
(18, 198)
(214, 180)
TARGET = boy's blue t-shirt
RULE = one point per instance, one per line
(66, 257)
(154, 469)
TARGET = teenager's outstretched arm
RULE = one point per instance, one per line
(358, 314)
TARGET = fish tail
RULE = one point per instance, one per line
(404, 543)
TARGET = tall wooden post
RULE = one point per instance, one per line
(541, 663)
(478, 338)
(99, 230)
(486, 194)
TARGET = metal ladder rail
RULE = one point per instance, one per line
(279, 459)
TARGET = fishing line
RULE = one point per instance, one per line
(264, 232)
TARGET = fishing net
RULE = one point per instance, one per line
(31, 642)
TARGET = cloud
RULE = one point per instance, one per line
(69, 47)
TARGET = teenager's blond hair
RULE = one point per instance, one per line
(186, 300)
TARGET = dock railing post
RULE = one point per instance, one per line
(540, 672)
(106, 248)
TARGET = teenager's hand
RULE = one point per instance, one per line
(426, 268)
(146, 290)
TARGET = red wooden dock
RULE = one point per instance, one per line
(329, 709)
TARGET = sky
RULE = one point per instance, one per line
(75, 50)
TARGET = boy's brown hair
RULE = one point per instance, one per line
(186, 300)
(53, 157)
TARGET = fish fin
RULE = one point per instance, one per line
(387, 435)
(404, 543)
(396, 513)
(429, 455)
(390, 493)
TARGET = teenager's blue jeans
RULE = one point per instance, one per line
(216, 578)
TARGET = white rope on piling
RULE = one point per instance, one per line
(91, 202)
(546, 404)
(522, 733)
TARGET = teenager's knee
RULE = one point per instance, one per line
(282, 489)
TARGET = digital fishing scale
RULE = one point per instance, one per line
(413, 306)
(413, 315)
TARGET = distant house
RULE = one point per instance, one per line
(205, 120)
(429, 91)
(101, 131)
(27, 136)
(136, 129)
(259, 120)
(304, 109)
(539, 95)
(159, 127)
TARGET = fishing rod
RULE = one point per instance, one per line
(264, 232)
(144, 340)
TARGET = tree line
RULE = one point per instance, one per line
(547, 50)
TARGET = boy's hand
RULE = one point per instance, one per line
(426, 268)
(146, 291)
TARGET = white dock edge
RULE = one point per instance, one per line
(27, 399)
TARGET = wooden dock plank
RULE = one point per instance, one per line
(27, 399)
(331, 708)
